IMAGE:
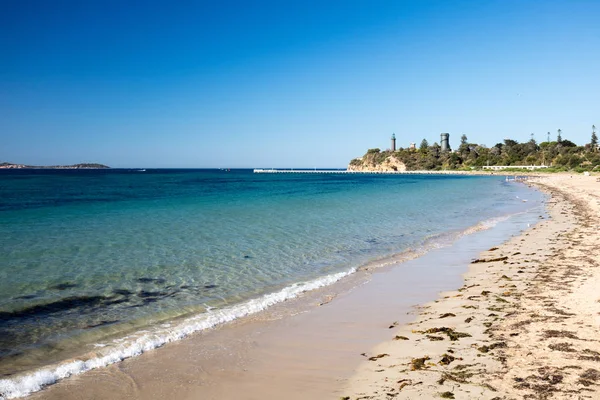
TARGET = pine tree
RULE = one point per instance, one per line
(594, 141)
(463, 149)
(559, 138)
(424, 145)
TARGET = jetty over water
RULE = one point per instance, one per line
(344, 171)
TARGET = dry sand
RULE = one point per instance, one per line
(525, 325)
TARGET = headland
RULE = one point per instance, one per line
(552, 156)
(7, 165)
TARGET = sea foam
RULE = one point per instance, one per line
(137, 344)
(143, 341)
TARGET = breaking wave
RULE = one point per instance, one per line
(143, 341)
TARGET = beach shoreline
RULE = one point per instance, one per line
(307, 353)
(246, 353)
(524, 324)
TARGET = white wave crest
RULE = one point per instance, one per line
(143, 341)
(486, 224)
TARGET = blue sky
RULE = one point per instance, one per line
(288, 83)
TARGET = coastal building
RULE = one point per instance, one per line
(393, 142)
(413, 146)
(445, 141)
(501, 167)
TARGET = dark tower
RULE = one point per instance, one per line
(445, 141)
(393, 142)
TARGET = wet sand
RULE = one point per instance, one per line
(525, 324)
(306, 348)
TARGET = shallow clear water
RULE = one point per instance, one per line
(87, 255)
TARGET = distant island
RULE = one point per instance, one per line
(7, 165)
(558, 155)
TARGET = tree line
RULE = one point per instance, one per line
(560, 154)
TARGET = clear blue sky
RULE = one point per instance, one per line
(288, 83)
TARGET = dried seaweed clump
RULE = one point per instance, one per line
(434, 338)
(378, 356)
(566, 347)
(418, 364)
(447, 359)
(487, 260)
(591, 375)
(452, 334)
(559, 334)
(499, 345)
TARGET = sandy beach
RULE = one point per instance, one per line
(322, 200)
(524, 325)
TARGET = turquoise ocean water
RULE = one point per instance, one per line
(101, 265)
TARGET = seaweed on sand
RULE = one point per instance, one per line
(488, 260)
(447, 359)
(499, 345)
(446, 315)
(378, 356)
(417, 364)
(451, 333)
